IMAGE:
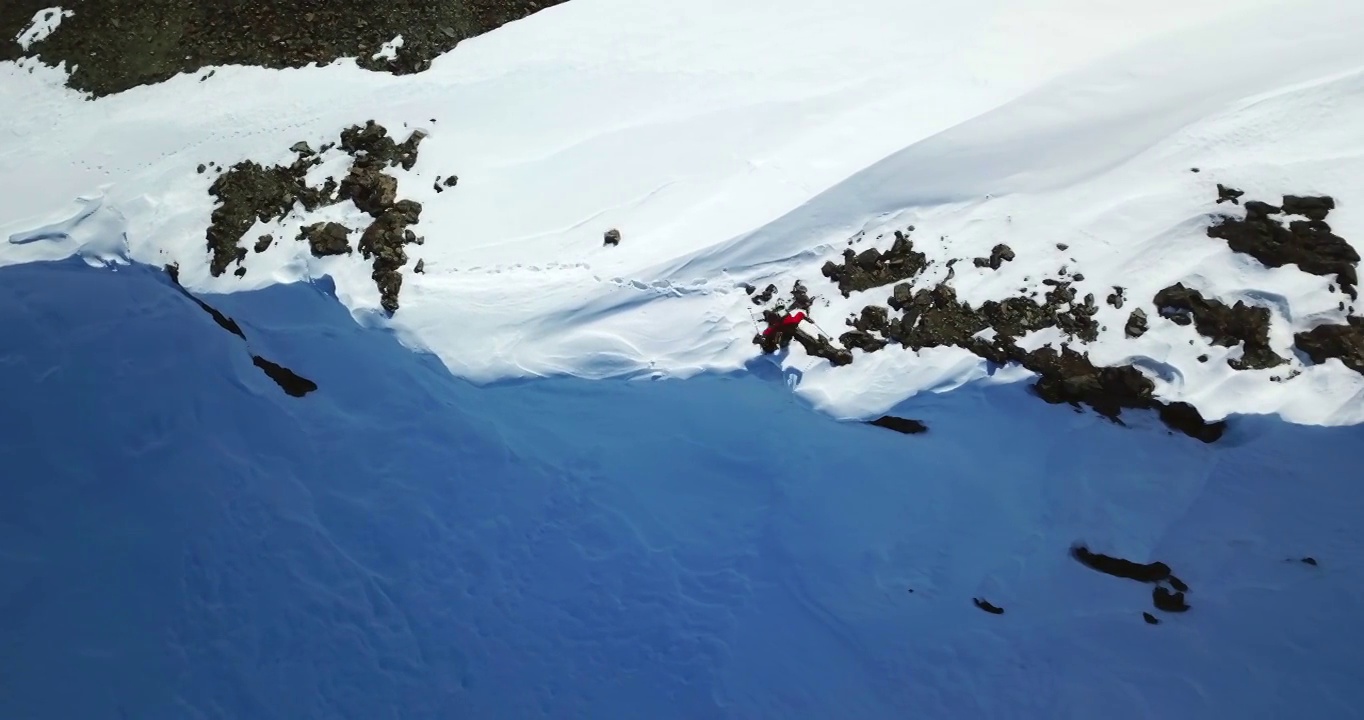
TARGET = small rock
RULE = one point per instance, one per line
(1168, 601)
(987, 606)
(264, 242)
(1079, 277)
(1062, 246)
(612, 237)
(327, 239)
(302, 148)
(451, 181)
(1116, 298)
(1226, 194)
(1309, 561)
(1136, 323)
(240, 272)
(420, 267)
(1202, 358)
(901, 425)
(1193, 170)
(1150, 619)
(202, 168)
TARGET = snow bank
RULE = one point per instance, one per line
(182, 539)
(747, 144)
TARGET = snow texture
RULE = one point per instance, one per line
(183, 540)
(748, 143)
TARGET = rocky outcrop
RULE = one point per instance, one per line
(1165, 599)
(1309, 244)
(1343, 342)
(611, 237)
(250, 192)
(113, 45)
(325, 239)
(872, 268)
(999, 255)
(1227, 326)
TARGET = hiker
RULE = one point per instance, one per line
(780, 329)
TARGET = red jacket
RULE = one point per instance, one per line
(789, 322)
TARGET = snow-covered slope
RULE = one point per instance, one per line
(748, 143)
(181, 539)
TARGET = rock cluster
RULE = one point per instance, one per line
(1168, 593)
(248, 192)
(1227, 326)
(114, 45)
(1309, 244)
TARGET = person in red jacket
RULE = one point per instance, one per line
(780, 329)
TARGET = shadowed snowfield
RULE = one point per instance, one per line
(182, 539)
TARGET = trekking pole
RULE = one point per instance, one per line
(817, 327)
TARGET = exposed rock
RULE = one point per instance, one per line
(240, 272)
(1309, 561)
(999, 255)
(1343, 342)
(1117, 297)
(302, 148)
(1226, 194)
(1239, 324)
(451, 181)
(765, 296)
(1169, 601)
(987, 606)
(872, 268)
(420, 267)
(1177, 584)
(201, 169)
(249, 192)
(611, 237)
(372, 147)
(371, 190)
(264, 242)
(1118, 567)
(290, 381)
(906, 426)
(1062, 247)
(1314, 208)
(1150, 619)
(1136, 323)
(1309, 244)
(326, 239)
(800, 297)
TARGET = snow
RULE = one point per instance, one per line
(45, 22)
(748, 144)
(179, 538)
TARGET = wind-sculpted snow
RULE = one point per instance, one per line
(181, 539)
(723, 161)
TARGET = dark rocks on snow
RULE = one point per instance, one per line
(1226, 194)
(1168, 600)
(290, 381)
(1117, 297)
(240, 272)
(765, 296)
(1227, 326)
(1309, 561)
(370, 189)
(201, 169)
(420, 267)
(451, 181)
(326, 239)
(1150, 619)
(1118, 567)
(872, 268)
(987, 606)
(611, 237)
(264, 242)
(1309, 244)
(999, 255)
(249, 192)
(1136, 323)
(372, 147)
(1343, 342)
(819, 347)
(906, 426)
(222, 320)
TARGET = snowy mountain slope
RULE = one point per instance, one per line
(182, 539)
(749, 144)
